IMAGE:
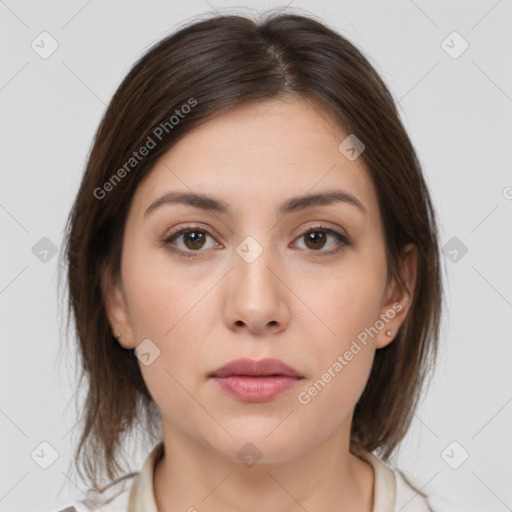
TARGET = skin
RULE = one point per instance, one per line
(295, 302)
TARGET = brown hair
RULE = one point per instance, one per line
(216, 64)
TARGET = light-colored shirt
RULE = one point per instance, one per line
(134, 492)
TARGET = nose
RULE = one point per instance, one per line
(257, 298)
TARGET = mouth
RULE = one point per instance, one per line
(255, 381)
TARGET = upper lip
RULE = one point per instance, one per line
(252, 367)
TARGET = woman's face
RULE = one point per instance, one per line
(263, 272)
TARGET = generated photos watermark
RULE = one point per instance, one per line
(150, 143)
(304, 397)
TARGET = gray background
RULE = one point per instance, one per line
(458, 112)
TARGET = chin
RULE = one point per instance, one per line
(251, 446)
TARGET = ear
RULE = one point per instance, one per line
(397, 300)
(117, 310)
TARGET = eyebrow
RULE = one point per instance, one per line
(292, 204)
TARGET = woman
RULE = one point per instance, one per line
(254, 276)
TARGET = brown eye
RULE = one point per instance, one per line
(316, 239)
(193, 241)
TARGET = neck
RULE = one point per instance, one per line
(192, 477)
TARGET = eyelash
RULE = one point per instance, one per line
(344, 241)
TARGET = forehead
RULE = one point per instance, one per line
(259, 154)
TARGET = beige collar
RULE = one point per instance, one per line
(142, 498)
(385, 487)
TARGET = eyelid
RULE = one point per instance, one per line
(323, 226)
(190, 227)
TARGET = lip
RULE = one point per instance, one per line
(253, 367)
(252, 380)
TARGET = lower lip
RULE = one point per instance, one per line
(256, 389)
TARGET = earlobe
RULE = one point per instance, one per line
(399, 298)
(117, 311)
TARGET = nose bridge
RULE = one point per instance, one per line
(252, 262)
(256, 293)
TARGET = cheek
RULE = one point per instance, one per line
(160, 297)
(344, 305)
(347, 308)
(171, 309)
(342, 362)
(161, 311)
